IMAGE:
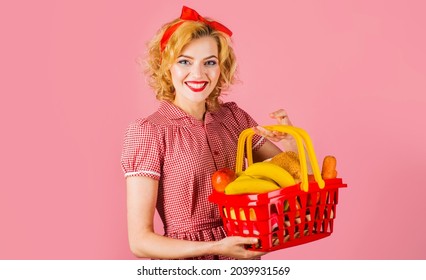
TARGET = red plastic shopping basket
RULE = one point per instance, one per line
(286, 217)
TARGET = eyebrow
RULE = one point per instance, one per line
(190, 57)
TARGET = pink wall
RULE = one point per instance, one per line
(352, 73)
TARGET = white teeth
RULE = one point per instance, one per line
(196, 85)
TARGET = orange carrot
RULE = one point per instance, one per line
(329, 167)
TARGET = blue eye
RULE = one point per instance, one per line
(183, 62)
(211, 63)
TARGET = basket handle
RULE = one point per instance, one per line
(301, 137)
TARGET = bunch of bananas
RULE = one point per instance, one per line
(260, 177)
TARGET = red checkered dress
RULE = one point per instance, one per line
(182, 153)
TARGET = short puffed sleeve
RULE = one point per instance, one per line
(142, 153)
(244, 121)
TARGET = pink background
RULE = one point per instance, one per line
(352, 73)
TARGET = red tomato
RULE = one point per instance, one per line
(221, 178)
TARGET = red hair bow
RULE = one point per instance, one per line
(190, 14)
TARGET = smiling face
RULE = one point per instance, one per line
(196, 72)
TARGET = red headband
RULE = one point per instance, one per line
(190, 14)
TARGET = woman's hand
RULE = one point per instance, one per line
(233, 246)
(281, 116)
(275, 136)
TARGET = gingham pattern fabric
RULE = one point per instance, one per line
(182, 153)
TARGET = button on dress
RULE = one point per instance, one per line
(182, 153)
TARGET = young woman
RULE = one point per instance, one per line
(169, 157)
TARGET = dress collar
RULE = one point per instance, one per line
(173, 112)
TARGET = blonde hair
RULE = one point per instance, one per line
(159, 62)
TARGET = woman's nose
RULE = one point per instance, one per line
(197, 70)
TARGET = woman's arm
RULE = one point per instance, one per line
(145, 243)
(268, 150)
